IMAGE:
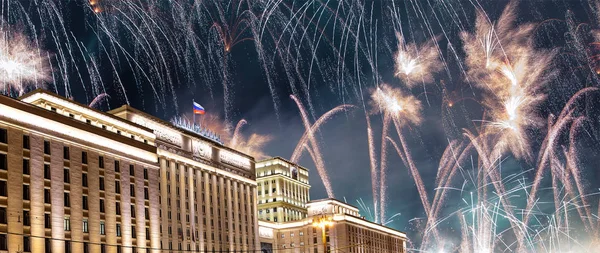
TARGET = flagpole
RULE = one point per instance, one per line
(194, 116)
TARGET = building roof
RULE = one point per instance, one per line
(312, 202)
(283, 159)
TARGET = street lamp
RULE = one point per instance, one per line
(323, 222)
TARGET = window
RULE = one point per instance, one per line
(146, 194)
(3, 162)
(118, 230)
(67, 223)
(101, 183)
(3, 215)
(84, 202)
(3, 136)
(86, 247)
(26, 141)
(132, 211)
(102, 228)
(25, 192)
(117, 166)
(66, 175)
(66, 153)
(67, 199)
(117, 186)
(3, 188)
(133, 232)
(102, 206)
(26, 167)
(147, 214)
(84, 157)
(101, 162)
(26, 244)
(47, 171)
(131, 170)
(132, 190)
(145, 173)
(47, 147)
(47, 221)
(47, 196)
(85, 226)
(118, 207)
(3, 242)
(87, 121)
(84, 180)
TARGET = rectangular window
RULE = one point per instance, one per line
(118, 230)
(117, 166)
(84, 202)
(26, 141)
(26, 167)
(46, 171)
(118, 208)
(84, 180)
(147, 213)
(146, 194)
(117, 186)
(67, 199)
(3, 215)
(101, 162)
(3, 136)
(84, 157)
(66, 153)
(3, 188)
(132, 190)
(26, 218)
(133, 232)
(145, 173)
(132, 211)
(102, 228)
(25, 192)
(47, 221)
(85, 226)
(3, 162)
(46, 147)
(67, 223)
(26, 244)
(101, 181)
(66, 175)
(102, 206)
(3, 242)
(131, 170)
(47, 196)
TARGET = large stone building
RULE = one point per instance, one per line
(74, 179)
(283, 190)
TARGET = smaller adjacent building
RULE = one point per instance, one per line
(283, 190)
(331, 226)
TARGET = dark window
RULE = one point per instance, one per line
(3, 242)
(3, 188)
(146, 213)
(71, 115)
(53, 109)
(26, 141)
(118, 208)
(102, 206)
(101, 183)
(84, 180)
(26, 218)
(67, 199)
(101, 162)
(47, 221)
(104, 127)
(47, 147)
(102, 248)
(25, 166)
(117, 187)
(84, 157)
(3, 215)
(132, 211)
(131, 170)
(133, 232)
(47, 197)
(66, 153)
(117, 166)
(145, 173)
(26, 244)
(25, 192)
(67, 176)
(85, 202)
(47, 171)
(67, 246)
(48, 245)
(132, 190)
(86, 247)
(3, 136)
(146, 195)
(148, 236)
(3, 162)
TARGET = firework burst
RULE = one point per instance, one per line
(21, 64)
(417, 63)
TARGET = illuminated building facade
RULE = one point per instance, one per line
(207, 191)
(283, 190)
(331, 226)
(74, 179)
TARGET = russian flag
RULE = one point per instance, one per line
(198, 109)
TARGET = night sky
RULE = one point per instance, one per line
(308, 66)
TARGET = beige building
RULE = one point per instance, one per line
(74, 179)
(331, 226)
(283, 190)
